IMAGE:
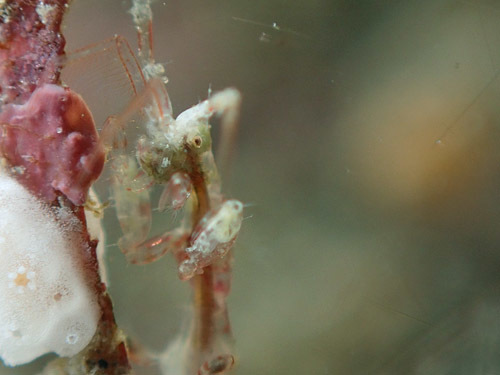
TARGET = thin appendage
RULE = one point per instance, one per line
(212, 179)
(118, 76)
(131, 194)
(131, 197)
(153, 249)
(113, 135)
(176, 192)
(143, 20)
(122, 71)
(471, 104)
(104, 54)
(227, 105)
(153, 103)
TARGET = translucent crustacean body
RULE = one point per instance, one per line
(212, 238)
(175, 153)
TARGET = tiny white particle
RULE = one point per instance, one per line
(72, 339)
(45, 11)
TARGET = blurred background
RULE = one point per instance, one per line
(368, 155)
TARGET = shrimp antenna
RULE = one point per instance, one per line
(143, 20)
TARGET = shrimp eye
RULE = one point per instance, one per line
(197, 141)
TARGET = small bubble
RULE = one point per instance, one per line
(275, 26)
(72, 339)
(59, 130)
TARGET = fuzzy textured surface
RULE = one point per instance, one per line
(47, 303)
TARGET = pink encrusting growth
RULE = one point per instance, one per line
(31, 46)
(52, 141)
(47, 132)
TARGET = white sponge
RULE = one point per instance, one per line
(46, 304)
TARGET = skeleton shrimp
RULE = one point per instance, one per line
(175, 153)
